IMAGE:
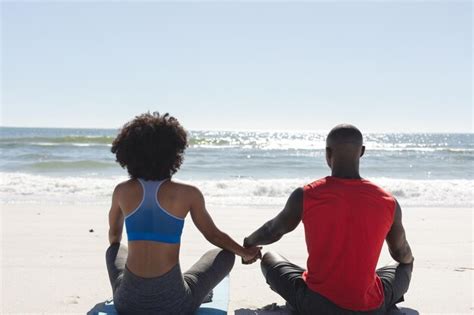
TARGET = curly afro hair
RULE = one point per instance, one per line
(151, 146)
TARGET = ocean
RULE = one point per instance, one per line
(46, 165)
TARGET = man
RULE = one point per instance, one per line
(346, 220)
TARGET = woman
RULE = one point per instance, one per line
(146, 277)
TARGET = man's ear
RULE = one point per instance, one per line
(328, 156)
(362, 151)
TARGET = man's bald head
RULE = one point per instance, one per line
(344, 147)
(344, 134)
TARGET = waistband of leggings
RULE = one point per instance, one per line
(168, 278)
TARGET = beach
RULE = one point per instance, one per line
(56, 187)
(244, 96)
(53, 258)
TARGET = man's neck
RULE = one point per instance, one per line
(345, 173)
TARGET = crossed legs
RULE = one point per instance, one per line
(285, 278)
(200, 279)
(115, 259)
(207, 272)
(396, 280)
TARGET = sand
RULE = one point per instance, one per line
(52, 263)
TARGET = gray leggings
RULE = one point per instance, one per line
(171, 293)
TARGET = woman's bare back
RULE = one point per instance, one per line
(150, 258)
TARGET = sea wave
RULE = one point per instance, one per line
(57, 140)
(70, 165)
(22, 187)
(449, 143)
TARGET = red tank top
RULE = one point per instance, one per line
(346, 222)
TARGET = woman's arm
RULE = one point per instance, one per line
(206, 226)
(115, 219)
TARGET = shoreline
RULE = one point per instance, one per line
(51, 263)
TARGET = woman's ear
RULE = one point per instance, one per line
(362, 151)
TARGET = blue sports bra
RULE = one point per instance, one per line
(149, 221)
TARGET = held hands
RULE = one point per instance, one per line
(251, 255)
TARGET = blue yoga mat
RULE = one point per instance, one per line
(218, 305)
(220, 300)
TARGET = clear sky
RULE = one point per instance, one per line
(384, 66)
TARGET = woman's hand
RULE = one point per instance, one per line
(251, 255)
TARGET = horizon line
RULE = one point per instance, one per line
(250, 130)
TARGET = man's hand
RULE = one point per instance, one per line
(251, 255)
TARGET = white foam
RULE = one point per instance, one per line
(21, 187)
(276, 191)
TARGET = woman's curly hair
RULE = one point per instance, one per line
(151, 146)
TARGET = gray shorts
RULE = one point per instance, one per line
(171, 293)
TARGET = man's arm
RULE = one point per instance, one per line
(286, 221)
(116, 219)
(396, 239)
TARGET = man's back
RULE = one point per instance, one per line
(346, 222)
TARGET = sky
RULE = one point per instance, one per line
(383, 66)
